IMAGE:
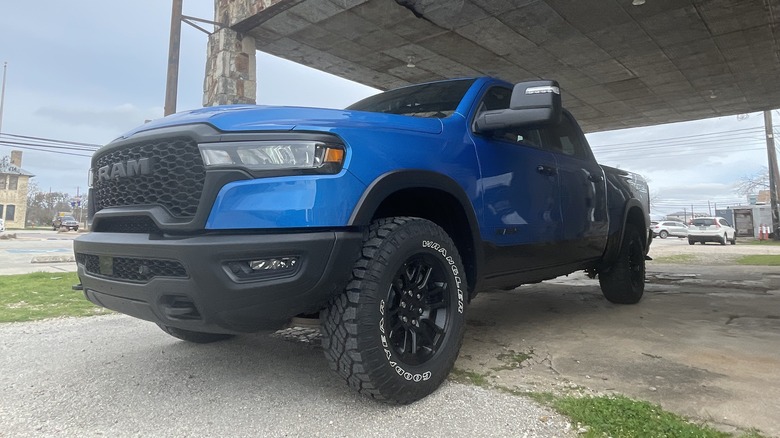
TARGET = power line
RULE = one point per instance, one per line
(50, 140)
(664, 140)
(17, 143)
(33, 148)
(678, 145)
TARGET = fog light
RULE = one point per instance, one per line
(262, 268)
(275, 264)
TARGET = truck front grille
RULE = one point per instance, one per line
(130, 269)
(175, 180)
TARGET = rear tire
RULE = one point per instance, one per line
(195, 337)
(691, 241)
(663, 234)
(624, 281)
(395, 332)
(723, 240)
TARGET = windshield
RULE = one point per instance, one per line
(703, 222)
(437, 99)
(68, 218)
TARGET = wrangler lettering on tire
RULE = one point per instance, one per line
(395, 332)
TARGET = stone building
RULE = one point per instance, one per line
(13, 191)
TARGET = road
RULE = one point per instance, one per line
(38, 250)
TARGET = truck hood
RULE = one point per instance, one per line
(232, 118)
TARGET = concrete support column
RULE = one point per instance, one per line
(231, 73)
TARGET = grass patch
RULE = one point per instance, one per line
(760, 260)
(29, 297)
(610, 416)
(469, 377)
(750, 241)
(676, 258)
(622, 417)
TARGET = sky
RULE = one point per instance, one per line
(89, 70)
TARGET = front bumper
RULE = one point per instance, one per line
(195, 283)
(705, 237)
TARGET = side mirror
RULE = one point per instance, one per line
(532, 103)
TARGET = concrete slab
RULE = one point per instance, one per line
(37, 251)
(703, 342)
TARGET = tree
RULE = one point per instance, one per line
(751, 184)
(42, 207)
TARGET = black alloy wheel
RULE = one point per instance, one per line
(418, 309)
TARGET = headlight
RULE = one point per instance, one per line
(264, 156)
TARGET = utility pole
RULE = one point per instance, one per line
(774, 174)
(2, 96)
(172, 83)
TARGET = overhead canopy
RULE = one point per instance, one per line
(619, 65)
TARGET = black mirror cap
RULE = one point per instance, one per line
(538, 95)
(533, 103)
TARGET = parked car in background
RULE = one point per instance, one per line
(711, 229)
(665, 229)
(67, 222)
(2, 225)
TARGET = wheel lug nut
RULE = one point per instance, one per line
(403, 304)
(420, 309)
(419, 296)
(405, 319)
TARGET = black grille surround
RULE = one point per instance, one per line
(132, 269)
(128, 224)
(175, 183)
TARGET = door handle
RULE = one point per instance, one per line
(546, 170)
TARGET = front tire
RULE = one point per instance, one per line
(395, 332)
(195, 337)
(624, 281)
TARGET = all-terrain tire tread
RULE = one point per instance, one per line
(339, 322)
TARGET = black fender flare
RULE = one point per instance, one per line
(615, 241)
(393, 181)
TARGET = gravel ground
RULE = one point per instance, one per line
(709, 253)
(118, 376)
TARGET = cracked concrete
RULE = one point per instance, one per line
(702, 343)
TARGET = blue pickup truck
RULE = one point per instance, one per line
(385, 218)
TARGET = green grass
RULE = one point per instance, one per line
(676, 259)
(749, 241)
(470, 377)
(622, 417)
(760, 260)
(609, 416)
(29, 297)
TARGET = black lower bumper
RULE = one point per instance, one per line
(207, 283)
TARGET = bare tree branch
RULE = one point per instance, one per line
(751, 184)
